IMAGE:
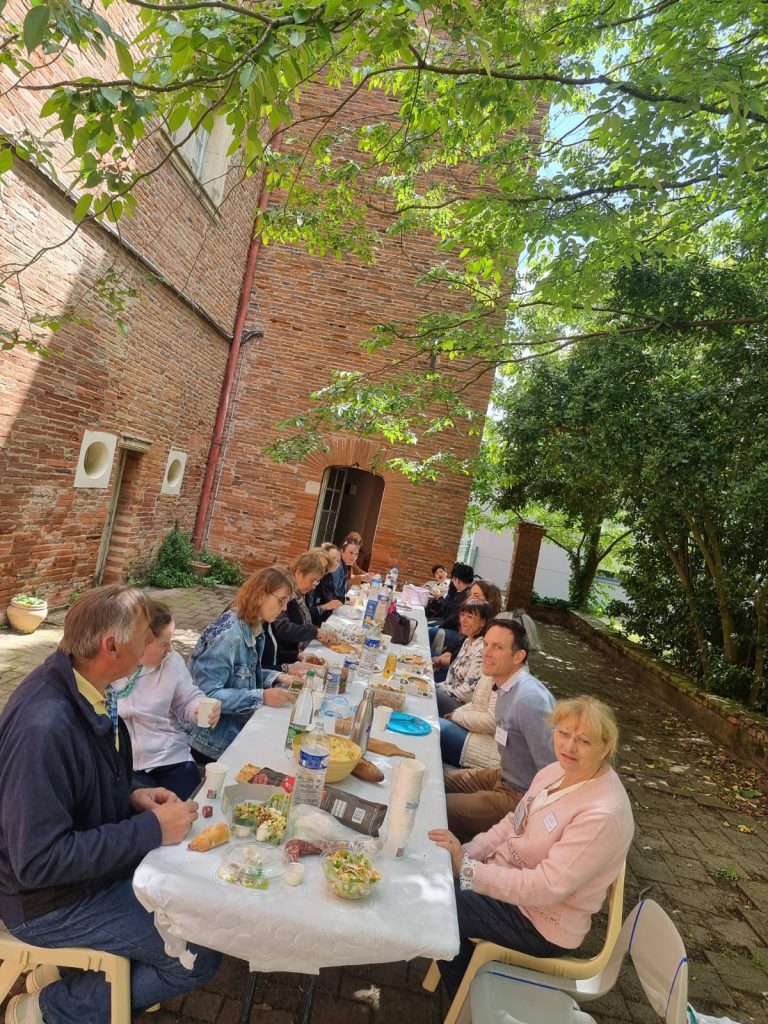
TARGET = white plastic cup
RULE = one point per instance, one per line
(204, 708)
(409, 773)
(215, 774)
(381, 717)
(386, 640)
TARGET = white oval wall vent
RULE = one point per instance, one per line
(174, 472)
(97, 453)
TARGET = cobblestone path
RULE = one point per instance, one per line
(700, 850)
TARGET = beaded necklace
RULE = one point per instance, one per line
(114, 695)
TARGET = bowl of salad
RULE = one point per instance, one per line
(350, 875)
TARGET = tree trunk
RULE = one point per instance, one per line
(690, 596)
(761, 614)
(710, 550)
(584, 565)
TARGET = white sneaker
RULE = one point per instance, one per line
(42, 975)
(24, 1010)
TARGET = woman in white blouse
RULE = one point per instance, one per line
(154, 703)
(467, 667)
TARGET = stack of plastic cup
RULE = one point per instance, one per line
(407, 781)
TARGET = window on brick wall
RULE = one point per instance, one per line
(205, 155)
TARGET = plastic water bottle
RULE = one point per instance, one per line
(382, 607)
(361, 726)
(332, 681)
(301, 713)
(369, 654)
(314, 752)
(393, 574)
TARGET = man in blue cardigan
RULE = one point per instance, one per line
(72, 826)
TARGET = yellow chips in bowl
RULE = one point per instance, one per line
(344, 756)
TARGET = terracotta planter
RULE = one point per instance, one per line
(200, 568)
(25, 618)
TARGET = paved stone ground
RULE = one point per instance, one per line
(700, 850)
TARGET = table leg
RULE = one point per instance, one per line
(254, 977)
(307, 987)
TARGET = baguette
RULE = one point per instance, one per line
(214, 835)
(368, 771)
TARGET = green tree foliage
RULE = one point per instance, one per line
(581, 135)
(672, 433)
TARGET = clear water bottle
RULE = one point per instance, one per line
(332, 681)
(368, 655)
(393, 574)
(301, 714)
(382, 607)
(314, 752)
(361, 726)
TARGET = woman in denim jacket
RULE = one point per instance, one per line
(226, 661)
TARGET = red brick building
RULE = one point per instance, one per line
(79, 508)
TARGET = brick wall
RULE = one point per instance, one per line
(525, 558)
(160, 382)
(314, 313)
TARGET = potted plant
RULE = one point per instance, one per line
(26, 612)
(200, 568)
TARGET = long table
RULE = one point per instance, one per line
(305, 928)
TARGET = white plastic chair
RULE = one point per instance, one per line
(573, 967)
(506, 994)
(16, 957)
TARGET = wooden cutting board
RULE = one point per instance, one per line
(382, 747)
(387, 749)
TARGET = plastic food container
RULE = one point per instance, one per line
(350, 876)
(252, 867)
(390, 695)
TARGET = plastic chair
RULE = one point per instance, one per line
(561, 967)
(16, 957)
(506, 994)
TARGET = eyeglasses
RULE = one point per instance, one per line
(283, 600)
(583, 741)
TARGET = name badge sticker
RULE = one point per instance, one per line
(550, 822)
(501, 736)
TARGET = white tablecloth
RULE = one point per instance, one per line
(302, 929)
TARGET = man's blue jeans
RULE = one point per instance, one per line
(114, 921)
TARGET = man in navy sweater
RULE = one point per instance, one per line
(73, 828)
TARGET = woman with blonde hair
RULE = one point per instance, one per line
(226, 661)
(534, 881)
(322, 600)
(294, 628)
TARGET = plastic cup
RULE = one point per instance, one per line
(215, 774)
(386, 640)
(204, 708)
(381, 717)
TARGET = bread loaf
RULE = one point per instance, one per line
(368, 771)
(214, 835)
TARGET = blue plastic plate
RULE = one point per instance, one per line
(408, 724)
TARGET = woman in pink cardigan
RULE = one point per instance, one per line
(533, 882)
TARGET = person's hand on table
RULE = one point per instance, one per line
(330, 606)
(175, 819)
(277, 697)
(447, 841)
(148, 798)
(327, 636)
(213, 715)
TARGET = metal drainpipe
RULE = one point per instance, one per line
(229, 376)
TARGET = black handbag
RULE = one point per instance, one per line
(400, 628)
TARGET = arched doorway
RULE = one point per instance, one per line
(350, 499)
